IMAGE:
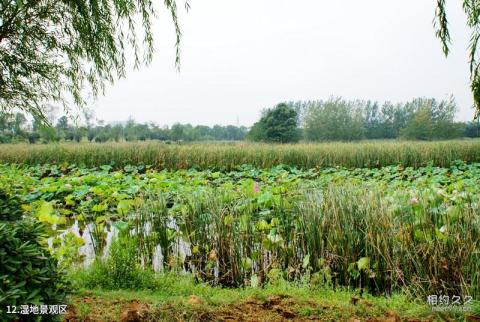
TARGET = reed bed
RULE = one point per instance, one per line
(229, 156)
(341, 236)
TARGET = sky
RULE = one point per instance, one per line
(241, 56)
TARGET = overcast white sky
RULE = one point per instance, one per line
(240, 56)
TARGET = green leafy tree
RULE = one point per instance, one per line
(202, 132)
(91, 132)
(48, 134)
(335, 119)
(116, 132)
(141, 131)
(130, 130)
(188, 132)
(257, 133)
(421, 125)
(52, 49)
(33, 137)
(12, 127)
(19, 123)
(218, 132)
(235, 132)
(373, 120)
(472, 129)
(430, 119)
(176, 132)
(157, 133)
(443, 115)
(62, 127)
(79, 133)
(278, 124)
(62, 123)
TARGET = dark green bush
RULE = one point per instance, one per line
(9, 208)
(28, 274)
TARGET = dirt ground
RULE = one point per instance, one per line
(274, 308)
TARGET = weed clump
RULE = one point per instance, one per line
(120, 270)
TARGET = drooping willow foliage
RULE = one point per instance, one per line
(472, 10)
(59, 50)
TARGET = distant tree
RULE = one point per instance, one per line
(79, 133)
(333, 120)
(188, 133)
(130, 130)
(472, 129)
(91, 133)
(157, 133)
(47, 134)
(62, 123)
(235, 133)
(63, 128)
(373, 121)
(421, 125)
(33, 137)
(116, 133)
(430, 119)
(257, 133)
(141, 131)
(19, 122)
(3, 121)
(278, 124)
(12, 127)
(101, 137)
(176, 132)
(218, 132)
(88, 116)
(202, 132)
(301, 108)
(443, 117)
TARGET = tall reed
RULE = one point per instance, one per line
(344, 235)
(230, 156)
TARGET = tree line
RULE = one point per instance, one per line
(337, 119)
(16, 128)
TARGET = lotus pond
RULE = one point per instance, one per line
(382, 230)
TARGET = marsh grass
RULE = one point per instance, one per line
(352, 236)
(119, 270)
(229, 156)
(413, 245)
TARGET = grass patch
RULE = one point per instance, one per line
(229, 156)
(119, 271)
(180, 298)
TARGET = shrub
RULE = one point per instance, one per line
(121, 269)
(28, 274)
(9, 208)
